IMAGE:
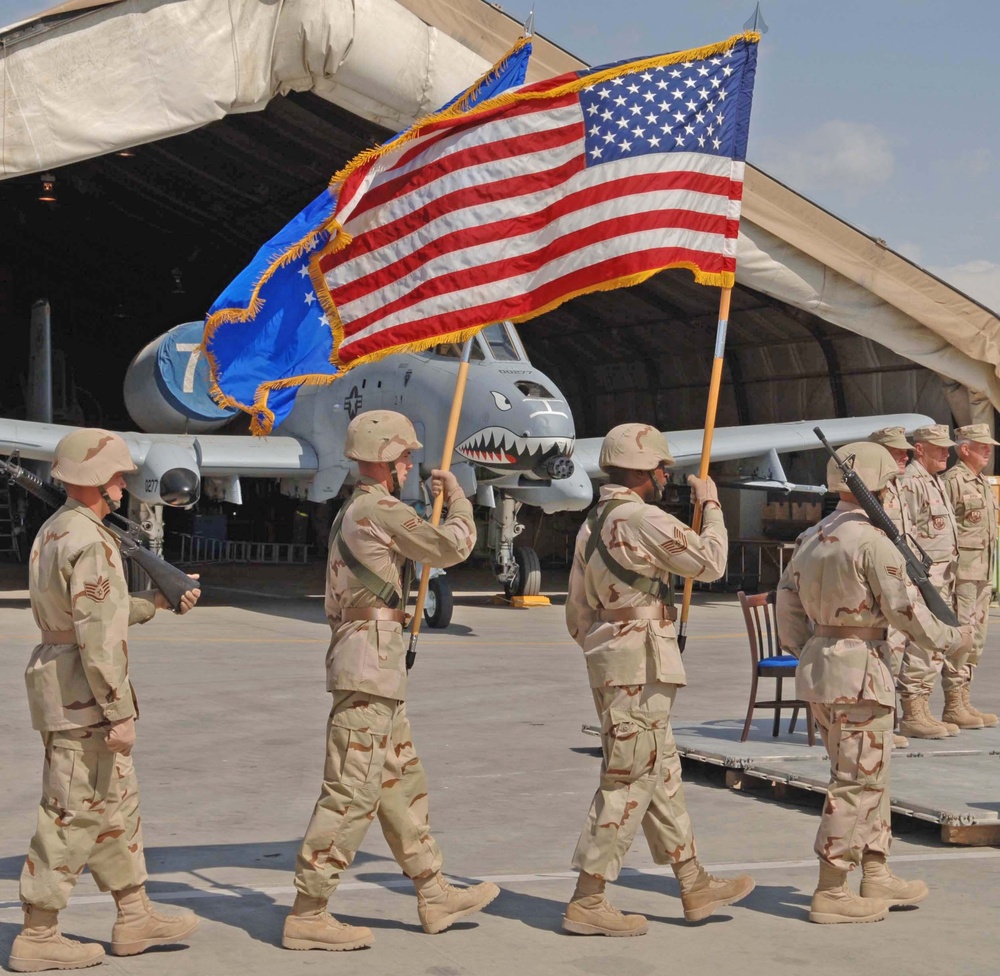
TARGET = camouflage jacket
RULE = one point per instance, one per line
(844, 572)
(77, 586)
(382, 533)
(647, 540)
(932, 521)
(975, 506)
(895, 509)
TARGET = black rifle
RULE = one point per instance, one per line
(916, 568)
(172, 582)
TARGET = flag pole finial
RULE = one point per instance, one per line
(529, 23)
(756, 22)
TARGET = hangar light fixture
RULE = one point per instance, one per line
(48, 194)
(178, 283)
(125, 153)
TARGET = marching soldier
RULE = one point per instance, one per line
(82, 702)
(843, 586)
(893, 439)
(932, 526)
(619, 609)
(372, 767)
(975, 508)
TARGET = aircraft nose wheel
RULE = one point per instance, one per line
(528, 581)
(439, 603)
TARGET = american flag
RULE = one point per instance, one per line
(584, 182)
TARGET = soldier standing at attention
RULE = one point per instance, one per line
(371, 764)
(845, 583)
(975, 506)
(893, 439)
(81, 700)
(932, 526)
(619, 609)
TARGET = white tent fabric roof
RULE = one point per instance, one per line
(81, 84)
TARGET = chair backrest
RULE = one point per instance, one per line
(762, 628)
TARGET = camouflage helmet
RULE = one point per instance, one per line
(379, 435)
(92, 457)
(872, 462)
(637, 447)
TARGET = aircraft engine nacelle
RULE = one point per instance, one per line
(167, 475)
(167, 385)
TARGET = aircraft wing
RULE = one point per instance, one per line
(762, 441)
(171, 466)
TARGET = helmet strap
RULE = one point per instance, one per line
(112, 505)
(658, 490)
(397, 488)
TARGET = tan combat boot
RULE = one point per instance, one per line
(41, 946)
(956, 712)
(140, 926)
(899, 741)
(588, 912)
(988, 718)
(702, 893)
(439, 904)
(917, 722)
(879, 882)
(311, 926)
(834, 903)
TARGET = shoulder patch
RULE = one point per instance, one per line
(676, 543)
(411, 523)
(98, 592)
(894, 571)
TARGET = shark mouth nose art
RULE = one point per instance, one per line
(499, 446)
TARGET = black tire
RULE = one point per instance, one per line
(529, 573)
(439, 604)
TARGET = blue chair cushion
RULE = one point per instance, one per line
(780, 662)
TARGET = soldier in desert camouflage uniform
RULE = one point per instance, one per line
(893, 439)
(372, 768)
(81, 700)
(932, 526)
(843, 586)
(975, 506)
(619, 609)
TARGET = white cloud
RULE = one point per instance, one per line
(852, 157)
(979, 279)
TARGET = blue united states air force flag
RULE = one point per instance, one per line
(266, 335)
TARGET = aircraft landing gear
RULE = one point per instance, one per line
(439, 603)
(517, 570)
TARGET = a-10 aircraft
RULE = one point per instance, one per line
(516, 441)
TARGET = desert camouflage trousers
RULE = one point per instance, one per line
(921, 668)
(972, 604)
(640, 782)
(856, 816)
(88, 817)
(371, 769)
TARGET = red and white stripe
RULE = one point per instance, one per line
(495, 215)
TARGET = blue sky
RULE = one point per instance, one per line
(885, 112)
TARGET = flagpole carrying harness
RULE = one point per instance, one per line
(656, 588)
(381, 589)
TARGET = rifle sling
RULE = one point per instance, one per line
(371, 581)
(656, 588)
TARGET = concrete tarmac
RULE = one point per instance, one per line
(230, 755)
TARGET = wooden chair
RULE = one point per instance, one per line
(766, 661)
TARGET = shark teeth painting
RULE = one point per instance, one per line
(499, 446)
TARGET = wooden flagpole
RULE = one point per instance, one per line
(449, 448)
(706, 445)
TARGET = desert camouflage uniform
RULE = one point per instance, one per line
(845, 573)
(371, 764)
(634, 669)
(78, 683)
(932, 525)
(897, 511)
(975, 506)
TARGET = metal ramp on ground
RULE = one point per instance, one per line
(953, 782)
